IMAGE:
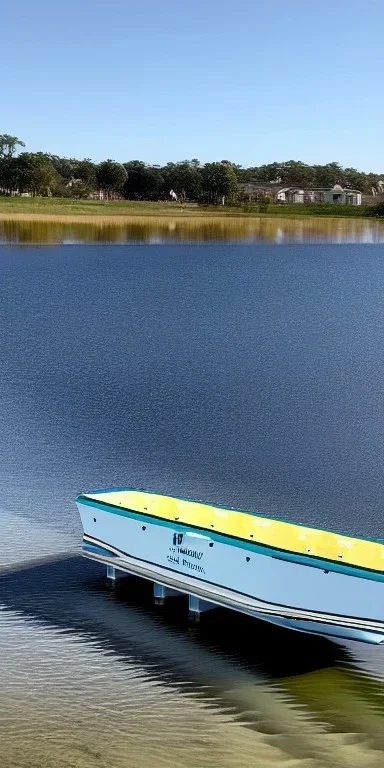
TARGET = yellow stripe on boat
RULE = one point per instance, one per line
(298, 539)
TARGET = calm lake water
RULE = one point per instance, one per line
(249, 375)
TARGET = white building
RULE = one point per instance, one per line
(334, 195)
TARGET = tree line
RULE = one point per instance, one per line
(42, 173)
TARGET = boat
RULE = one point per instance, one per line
(307, 579)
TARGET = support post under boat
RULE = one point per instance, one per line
(160, 592)
(196, 607)
(114, 574)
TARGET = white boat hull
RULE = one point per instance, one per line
(300, 597)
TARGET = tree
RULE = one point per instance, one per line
(184, 178)
(8, 174)
(263, 203)
(373, 184)
(328, 175)
(79, 189)
(357, 180)
(144, 182)
(111, 176)
(378, 210)
(63, 165)
(270, 172)
(219, 180)
(295, 173)
(9, 144)
(70, 170)
(85, 170)
(35, 173)
(43, 173)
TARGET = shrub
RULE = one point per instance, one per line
(378, 210)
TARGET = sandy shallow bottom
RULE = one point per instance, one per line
(66, 702)
(94, 677)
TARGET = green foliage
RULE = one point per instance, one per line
(263, 204)
(78, 190)
(358, 180)
(319, 209)
(378, 210)
(184, 178)
(295, 173)
(9, 144)
(271, 172)
(8, 175)
(41, 174)
(111, 176)
(60, 188)
(219, 180)
(328, 175)
(143, 182)
(63, 165)
(34, 173)
(85, 170)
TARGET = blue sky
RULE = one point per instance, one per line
(250, 81)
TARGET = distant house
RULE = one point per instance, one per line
(344, 196)
(274, 191)
(72, 182)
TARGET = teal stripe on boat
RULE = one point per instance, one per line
(324, 565)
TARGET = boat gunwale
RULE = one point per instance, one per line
(333, 531)
(312, 560)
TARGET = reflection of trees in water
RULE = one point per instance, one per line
(163, 230)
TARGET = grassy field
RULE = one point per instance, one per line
(19, 207)
(319, 209)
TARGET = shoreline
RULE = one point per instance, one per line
(120, 212)
(173, 216)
